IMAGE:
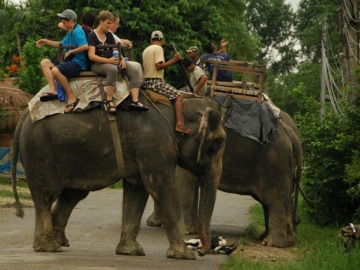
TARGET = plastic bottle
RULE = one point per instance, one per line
(116, 54)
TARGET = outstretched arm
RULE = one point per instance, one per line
(224, 44)
(163, 65)
(43, 41)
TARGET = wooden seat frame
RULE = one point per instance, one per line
(243, 89)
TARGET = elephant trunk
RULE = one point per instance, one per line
(209, 188)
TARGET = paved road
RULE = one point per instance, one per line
(93, 232)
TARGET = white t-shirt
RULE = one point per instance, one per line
(117, 39)
(151, 56)
(195, 77)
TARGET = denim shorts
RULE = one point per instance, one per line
(69, 68)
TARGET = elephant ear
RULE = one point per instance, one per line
(208, 128)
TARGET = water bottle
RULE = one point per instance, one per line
(116, 54)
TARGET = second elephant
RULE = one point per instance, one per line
(271, 175)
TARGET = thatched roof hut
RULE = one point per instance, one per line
(14, 101)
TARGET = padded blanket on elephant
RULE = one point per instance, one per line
(85, 89)
(251, 119)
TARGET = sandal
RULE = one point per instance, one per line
(110, 106)
(72, 106)
(138, 106)
(48, 97)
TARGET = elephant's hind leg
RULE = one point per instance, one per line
(65, 204)
(134, 201)
(44, 240)
(277, 234)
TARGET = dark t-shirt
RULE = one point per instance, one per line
(222, 75)
(103, 52)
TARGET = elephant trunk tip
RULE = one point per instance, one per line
(203, 251)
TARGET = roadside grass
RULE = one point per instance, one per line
(6, 191)
(316, 248)
(23, 189)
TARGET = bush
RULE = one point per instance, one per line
(30, 76)
(331, 148)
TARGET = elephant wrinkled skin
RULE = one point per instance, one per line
(65, 156)
(270, 174)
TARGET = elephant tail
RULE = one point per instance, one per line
(16, 143)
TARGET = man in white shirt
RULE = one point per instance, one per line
(154, 65)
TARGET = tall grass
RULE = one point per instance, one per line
(317, 249)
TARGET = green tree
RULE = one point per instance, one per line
(273, 21)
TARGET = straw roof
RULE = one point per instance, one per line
(14, 101)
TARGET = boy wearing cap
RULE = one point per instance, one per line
(75, 60)
(198, 78)
(154, 65)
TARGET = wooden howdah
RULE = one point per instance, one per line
(249, 88)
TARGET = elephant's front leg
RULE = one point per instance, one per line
(65, 204)
(134, 201)
(170, 209)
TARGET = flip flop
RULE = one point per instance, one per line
(72, 106)
(48, 97)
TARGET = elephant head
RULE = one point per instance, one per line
(207, 159)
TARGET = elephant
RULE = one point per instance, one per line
(65, 156)
(271, 175)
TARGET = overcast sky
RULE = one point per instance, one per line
(294, 3)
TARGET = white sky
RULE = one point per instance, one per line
(294, 3)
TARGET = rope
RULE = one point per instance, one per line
(157, 108)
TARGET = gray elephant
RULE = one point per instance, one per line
(271, 175)
(65, 156)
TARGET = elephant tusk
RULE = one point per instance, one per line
(202, 131)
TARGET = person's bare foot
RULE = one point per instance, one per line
(183, 130)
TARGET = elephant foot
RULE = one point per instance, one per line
(61, 238)
(263, 235)
(131, 249)
(46, 246)
(269, 242)
(153, 221)
(182, 252)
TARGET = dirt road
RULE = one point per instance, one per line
(94, 231)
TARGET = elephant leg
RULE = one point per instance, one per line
(170, 209)
(277, 235)
(134, 201)
(44, 240)
(154, 219)
(266, 221)
(65, 204)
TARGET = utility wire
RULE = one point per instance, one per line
(348, 11)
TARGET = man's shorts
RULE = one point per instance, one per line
(158, 85)
(68, 68)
